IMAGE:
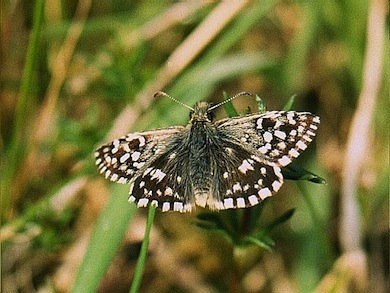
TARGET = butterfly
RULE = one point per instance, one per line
(231, 163)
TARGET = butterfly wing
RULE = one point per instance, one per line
(241, 178)
(232, 175)
(165, 182)
(241, 165)
(260, 145)
(122, 159)
(277, 136)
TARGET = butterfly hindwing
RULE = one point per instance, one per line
(165, 181)
(241, 178)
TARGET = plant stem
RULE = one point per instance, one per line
(16, 151)
(139, 270)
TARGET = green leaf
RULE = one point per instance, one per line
(260, 105)
(262, 241)
(280, 220)
(229, 108)
(296, 172)
(210, 221)
(289, 104)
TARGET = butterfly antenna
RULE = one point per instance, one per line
(230, 99)
(162, 94)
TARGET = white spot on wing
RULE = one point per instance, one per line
(142, 202)
(157, 174)
(307, 138)
(178, 206)
(281, 145)
(253, 200)
(147, 170)
(267, 136)
(264, 193)
(278, 172)
(245, 166)
(276, 185)
(280, 134)
(294, 153)
(126, 147)
(166, 206)
(260, 123)
(135, 156)
(278, 124)
(140, 165)
(141, 141)
(237, 187)
(301, 145)
(124, 158)
(228, 203)
(116, 143)
(240, 202)
(284, 161)
(263, 150)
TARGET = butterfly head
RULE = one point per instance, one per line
(201, 113)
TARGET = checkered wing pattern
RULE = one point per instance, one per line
(232, 163)
(277, 136)
(121, 159)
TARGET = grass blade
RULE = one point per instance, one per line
(109, 231)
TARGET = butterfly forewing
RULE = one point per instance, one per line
(278, 136)
(124, 157)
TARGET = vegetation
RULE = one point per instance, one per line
(76, 74)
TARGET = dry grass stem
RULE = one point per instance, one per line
(175, 14)
(46, 117)
(361, 127)
(177, 62)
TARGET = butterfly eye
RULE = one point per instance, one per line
(210, 116)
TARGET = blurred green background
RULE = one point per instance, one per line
(76, 74)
